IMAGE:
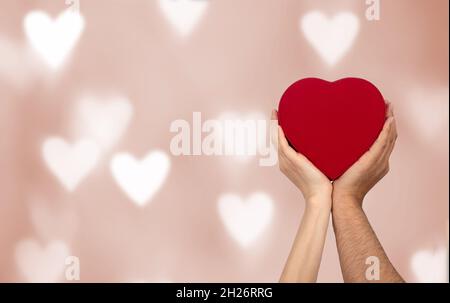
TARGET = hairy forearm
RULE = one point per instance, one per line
(356, 242)
(304, 259)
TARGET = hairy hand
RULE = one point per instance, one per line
(356, 182)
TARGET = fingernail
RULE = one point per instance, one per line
(274, 114)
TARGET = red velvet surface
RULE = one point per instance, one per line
(332, 123)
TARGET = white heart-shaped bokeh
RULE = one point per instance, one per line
(70, 163)
(429, 112)
(103, 120)
(183, 15)
(41, 264)
(140, 180)
(430, 266)
(333, 37)
(53, 39)
(245, 219)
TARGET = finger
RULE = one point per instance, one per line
(392, 139)
(304, 160)
(274, 115)
(395, 129)
(384, 158)
(389, 109)
(279, 134)
(382, 142)
(384, 134)
(387, 135)
(273, 124)
(283, 144)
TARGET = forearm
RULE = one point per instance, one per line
(356, 241)
(304, 259)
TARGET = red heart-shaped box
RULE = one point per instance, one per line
(332, 123)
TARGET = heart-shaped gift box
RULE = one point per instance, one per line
(332, 123)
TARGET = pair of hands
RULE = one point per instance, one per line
(354, 184)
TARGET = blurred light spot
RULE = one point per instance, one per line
(70, 164)
(140, 180)
(183, 15)
(245, 220)
(331, 38)
(429, 112)
(102, 120)
(41, 264)
(431, 266)
(53, 39)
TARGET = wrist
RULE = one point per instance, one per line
(347, 201)
(319, 202)
(319, 192)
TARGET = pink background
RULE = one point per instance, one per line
(240, 57)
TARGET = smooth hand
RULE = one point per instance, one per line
(313, 184)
